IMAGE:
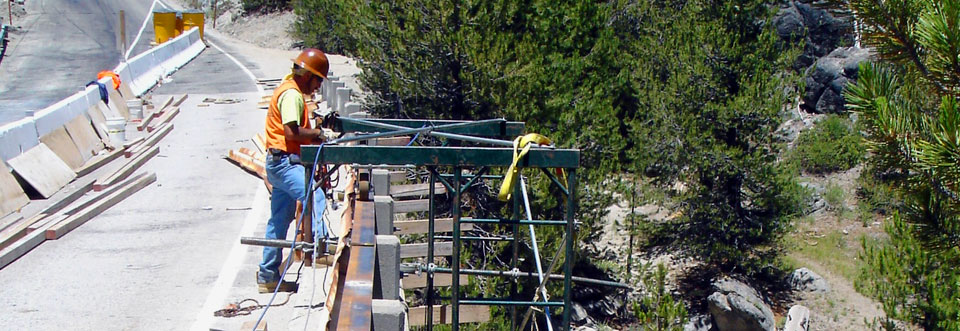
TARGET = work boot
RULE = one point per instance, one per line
(285, 286)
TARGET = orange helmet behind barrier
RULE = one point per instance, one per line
(314, 60)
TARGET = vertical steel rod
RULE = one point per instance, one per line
(536, 250)
(455, 316)
(516, 251)
(430, 233)
(306, 218)
(568, 264)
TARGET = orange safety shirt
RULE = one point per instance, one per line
(275, 137)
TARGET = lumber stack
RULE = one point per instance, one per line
(253, 161)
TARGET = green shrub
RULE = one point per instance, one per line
(658, 310)
(834, 196)
(250, 6)
(832, 145)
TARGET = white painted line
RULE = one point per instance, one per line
(142, 27)
(231, 267)
(247, 71)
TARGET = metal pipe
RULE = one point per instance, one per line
(502, 238)
(496, 142)
(509, 221)
(430, 237)
(536, 250)
(456, 250)
(482, 177)
(492, 302)
(568, 260)
(482, 171)
(556, 181)
(517, 273)
(280, 243)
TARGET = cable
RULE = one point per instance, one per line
(293, 246)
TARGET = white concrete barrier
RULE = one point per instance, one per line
(17, 137)
(141, 72)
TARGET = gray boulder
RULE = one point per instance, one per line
(804, 279)
(817, 28)
(735, 306)
(827, 79)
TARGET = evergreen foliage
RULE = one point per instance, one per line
(908, 104)
(832, 145)
(263, 5)
(661, 94)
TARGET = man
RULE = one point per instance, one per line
(287, 128)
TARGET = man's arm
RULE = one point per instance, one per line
(293, 132)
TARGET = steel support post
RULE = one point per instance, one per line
(430, 234)
(307, 217)
(455, 295)
(568, 264)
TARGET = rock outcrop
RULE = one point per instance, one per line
(828, 77)
(820, 31)
(804, 279)
(736, 306)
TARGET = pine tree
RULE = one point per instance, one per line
(908, 105)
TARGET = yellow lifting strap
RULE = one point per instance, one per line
(510, 180)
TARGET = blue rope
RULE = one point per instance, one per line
(303, 213)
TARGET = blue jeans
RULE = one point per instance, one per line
(288, 187)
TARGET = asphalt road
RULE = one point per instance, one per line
(61, 46)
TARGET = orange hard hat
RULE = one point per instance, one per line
(314, 60)
(113, 76)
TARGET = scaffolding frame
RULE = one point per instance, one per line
(482, 159)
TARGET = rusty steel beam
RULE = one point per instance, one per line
(354, 307)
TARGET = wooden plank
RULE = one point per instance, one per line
(60, 143)
(85, 137)
(126, 169)
(180, 100)
(21, 247)
(147, 118)
(444, 315)
(73, 191)
(131, 143)
(151, 141)
(409, 206)
(414, 281)
(10, 220)
(398, 176)
(99, 120)
(248, 163)
(414, 190)
(18, 231)
(42, 169)
(442, 248)
(101, 194)
(423, 226)
(165, 102)
(165, 118)
(12, 197)
(97, 161)
(58, 230)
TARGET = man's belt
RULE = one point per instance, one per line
(277, 152)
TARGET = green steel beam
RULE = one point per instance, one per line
(499, 129)
(440, 156)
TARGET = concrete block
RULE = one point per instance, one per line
(386, 276)
(381, 181)
(383, 211)
(332, 94)
(326, 88)
(343, 96)
(388, 315)
(350, 108)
